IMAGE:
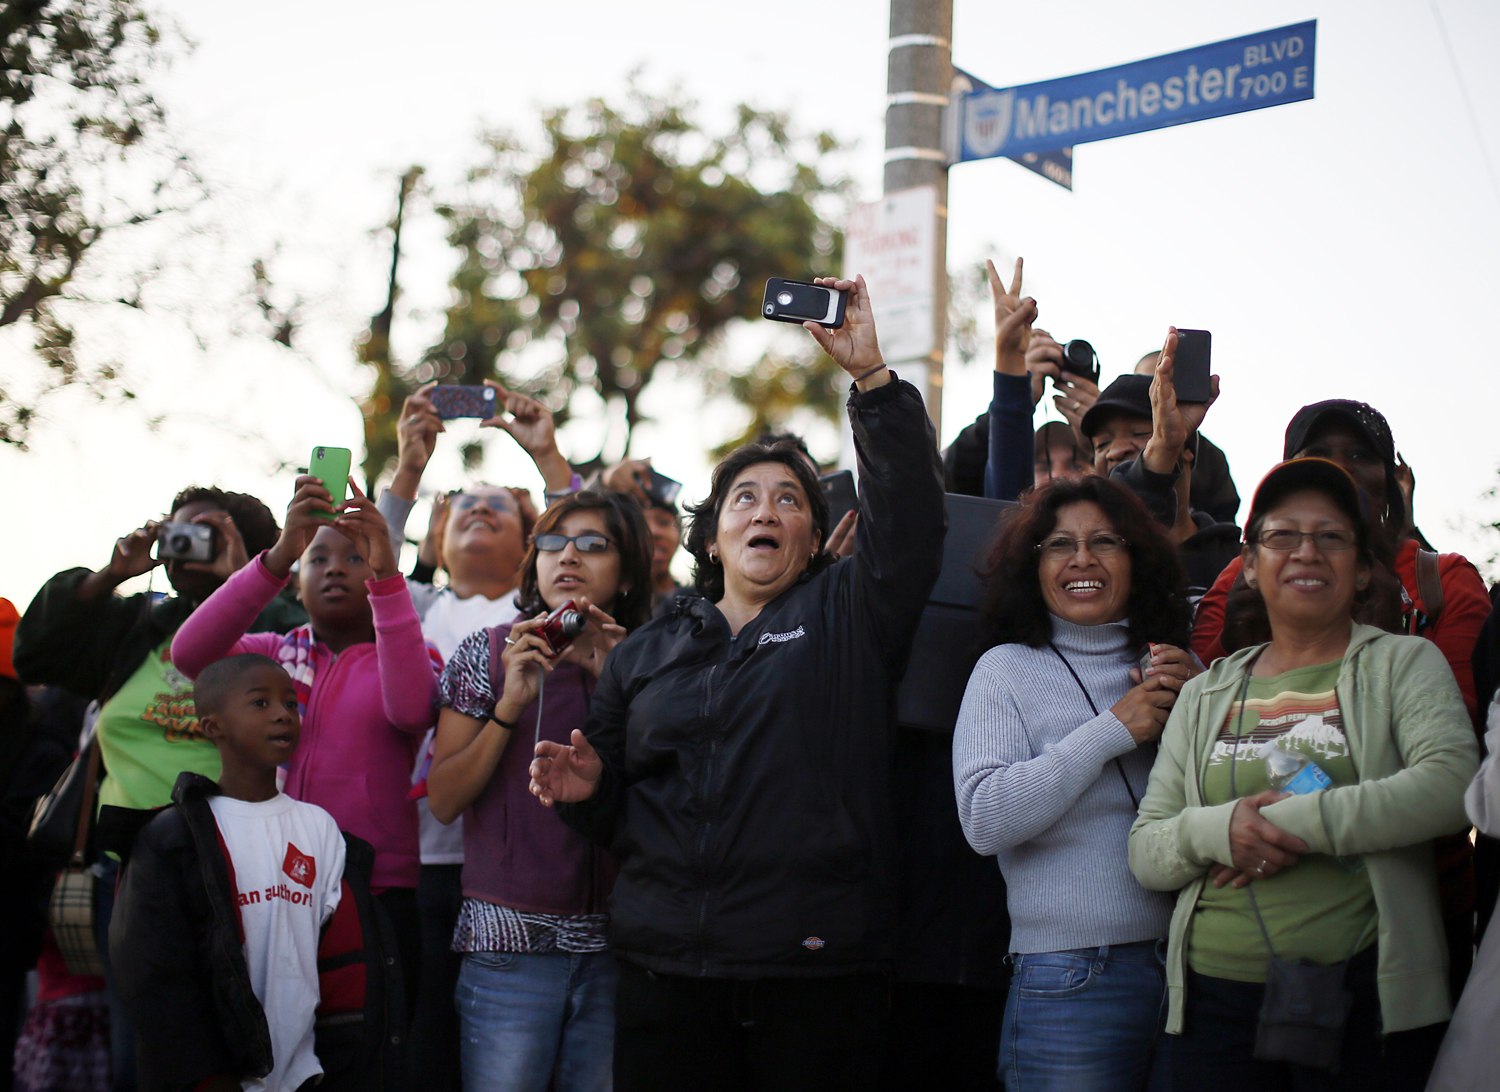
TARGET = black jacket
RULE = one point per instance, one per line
(179, 965)
(92, 648)
(747, 781)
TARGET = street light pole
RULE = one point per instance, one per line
(918, 79)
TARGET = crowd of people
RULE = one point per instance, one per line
(534, 816)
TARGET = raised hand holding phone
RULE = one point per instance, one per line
(311, 509)
(362, 522)
(853, 346)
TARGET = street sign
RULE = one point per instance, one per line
(1055, 166)
(1247, 73)
(892, 242)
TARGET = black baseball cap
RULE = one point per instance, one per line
(1366, 419)
(1128, 394)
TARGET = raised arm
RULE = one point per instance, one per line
(901, 516)
(530, 424)
(1008, 470)
(408, 666)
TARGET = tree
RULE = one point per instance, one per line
(83, 158)
(634, 237)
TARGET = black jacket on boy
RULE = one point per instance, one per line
(179, 963)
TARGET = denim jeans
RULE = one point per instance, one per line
(1084, 1019)
(537, 1021)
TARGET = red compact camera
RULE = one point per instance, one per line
(561, 626)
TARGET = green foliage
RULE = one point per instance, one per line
(75, 107)
(630, 238)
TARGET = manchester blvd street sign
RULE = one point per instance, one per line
(1248, 73)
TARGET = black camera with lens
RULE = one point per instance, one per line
(1080, 359)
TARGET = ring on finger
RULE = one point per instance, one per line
(1261, 868)
(510, 640)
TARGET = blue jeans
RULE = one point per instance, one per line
(1083, 1020)
(537, 1021)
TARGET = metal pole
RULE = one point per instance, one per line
(918, 79)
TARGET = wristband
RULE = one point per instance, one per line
(575, 485)
(507, 725)
(862, 376)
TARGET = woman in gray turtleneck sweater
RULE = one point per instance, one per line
(1051, 755)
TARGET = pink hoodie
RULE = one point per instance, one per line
(364, 711)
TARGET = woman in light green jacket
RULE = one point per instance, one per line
(1293, 804)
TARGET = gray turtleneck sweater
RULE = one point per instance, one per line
(1037, 787)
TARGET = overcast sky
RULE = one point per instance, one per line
(1342, 247)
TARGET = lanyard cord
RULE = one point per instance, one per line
(1134, 800)
(1239, 732)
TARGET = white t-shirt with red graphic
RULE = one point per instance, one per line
(288, 863)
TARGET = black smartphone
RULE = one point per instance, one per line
(452, 400)
(1190, 367)
(838, 487)
(802, 301)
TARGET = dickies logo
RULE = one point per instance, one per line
(299, 866)
(814, 944)
(781, 638)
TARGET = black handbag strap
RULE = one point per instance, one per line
(86, 809)
(1135, 801)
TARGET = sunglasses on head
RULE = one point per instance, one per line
(462, 502)
(590, 542)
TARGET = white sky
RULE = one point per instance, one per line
(1342, 247)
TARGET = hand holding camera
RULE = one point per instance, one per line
(598, 635)
(213, 544)
(853, 345)
(527, 657)
(132, 553)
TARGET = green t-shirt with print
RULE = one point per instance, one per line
(1321, 908)
(148, 734)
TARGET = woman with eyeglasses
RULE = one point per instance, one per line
(535, 994)
(1293, 808)
(1054, 742)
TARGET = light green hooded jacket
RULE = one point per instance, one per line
(1414, 749)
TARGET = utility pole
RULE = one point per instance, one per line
(919, 77)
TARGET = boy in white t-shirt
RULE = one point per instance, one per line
(216, 934)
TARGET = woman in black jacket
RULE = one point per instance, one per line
(737, 761)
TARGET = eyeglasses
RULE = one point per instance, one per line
(497, 502)
(590, 542)
(1327, 541)
(1061, 547)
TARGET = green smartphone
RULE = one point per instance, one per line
(330, 465)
